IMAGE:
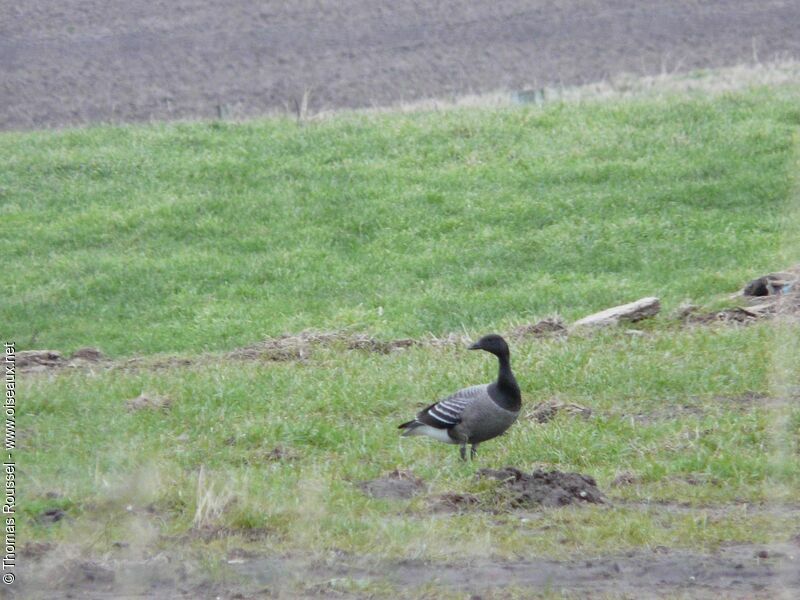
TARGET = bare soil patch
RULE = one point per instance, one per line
(455, 502)
(737, 314)
(397, 485)
(677, 411)
(71, 62)
(51, 515)
(299, 346)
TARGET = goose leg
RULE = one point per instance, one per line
(473, 451)
(463, 451)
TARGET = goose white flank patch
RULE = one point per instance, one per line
(475, 414)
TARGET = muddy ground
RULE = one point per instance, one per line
(736, 571)
(133, 569)
(76, 62)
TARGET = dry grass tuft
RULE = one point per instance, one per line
(212, 501)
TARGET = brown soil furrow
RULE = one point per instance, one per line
(72, 63)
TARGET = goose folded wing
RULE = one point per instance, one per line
(447, 413)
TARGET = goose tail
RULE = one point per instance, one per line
(409, 428)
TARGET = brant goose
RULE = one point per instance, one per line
(474, 414)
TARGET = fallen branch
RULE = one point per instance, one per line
(635, 311)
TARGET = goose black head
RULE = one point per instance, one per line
(491, 343)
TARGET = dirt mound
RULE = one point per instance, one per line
(51, 515)
(87, 354)
(785, 304)
(541, 488)
(736, 314)
(773, 284)
(42, 360)
(772, 295)
(454, 502)
(544, 328)
(759, 307)
(397, 485)
(546, 411)
(34, 359)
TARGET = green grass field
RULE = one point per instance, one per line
(176, 238)
(666, 407)
(203, 237)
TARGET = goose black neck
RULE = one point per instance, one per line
(509, 396)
